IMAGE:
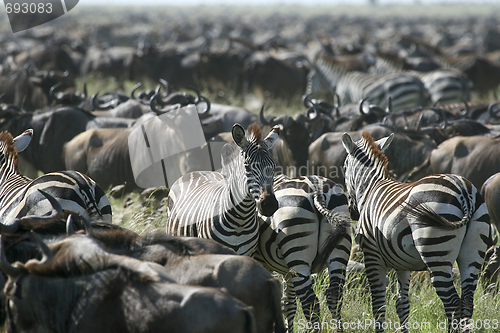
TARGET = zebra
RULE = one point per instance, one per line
(21, 196)
(307, 233)
(445, 85)
(405, 89)
(222, 205)
(428, 224)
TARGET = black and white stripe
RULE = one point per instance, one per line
(426, 225)
(222, 205)
(19, 195)
(306, 234)
(447, 86)
(406, 90)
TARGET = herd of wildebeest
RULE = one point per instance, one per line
(75, 274)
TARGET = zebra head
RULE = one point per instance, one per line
(364, 163)
(9, 147)
(259, 164)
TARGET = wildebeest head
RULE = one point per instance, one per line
(259, 164)
(293, 147)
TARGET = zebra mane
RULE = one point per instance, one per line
(377, 155)
(254, 134)
(9, 149)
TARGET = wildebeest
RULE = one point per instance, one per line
(491, 194)
(51, 130)
(203, 262)
(89, 290)
(474, 157)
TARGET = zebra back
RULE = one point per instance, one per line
(20, 196)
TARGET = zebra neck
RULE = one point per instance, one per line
(236, 186)
(9, 183)
(237, 195)
(366, 181)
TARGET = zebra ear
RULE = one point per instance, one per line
(384, 143)
(239, 137)
(349, 145)
(22, 141)
(273, 136)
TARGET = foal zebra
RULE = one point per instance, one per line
(222, 205)
(19, 195)
(428, 224)
(306, 234)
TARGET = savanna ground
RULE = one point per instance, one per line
(144, 215)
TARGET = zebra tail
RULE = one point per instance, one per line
(426, 216)
(340, 223)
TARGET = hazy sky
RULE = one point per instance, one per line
(257, 2)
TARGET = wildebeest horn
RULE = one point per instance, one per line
(466, 111)
(207, 101)
(10, 227)
(306, 100)
(109, 105)
(338, 100)
(70, 226)
(55, 204)
(134, 89)
(153, 103)
(491, 112)
(5, 265)
(263, 119)
(361, 107)
(389, 105)
(52, 92)
(46, 252)
(165, 85)
(87, 226)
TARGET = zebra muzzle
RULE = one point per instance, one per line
(267, 204)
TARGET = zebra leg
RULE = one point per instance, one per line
(289, 303)
(470, 260)
(403, 301)
(304, 289)
(376, 274)
(442, 281)
(337, 264)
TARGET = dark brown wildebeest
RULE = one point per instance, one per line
(474, 157)
(89, 290)
(491, 194)
(203, 262)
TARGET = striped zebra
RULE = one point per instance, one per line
(222, 205)
(406, 90)
(447, 86)
(20, 196)
(428, 224)
(444, 85)
(307, 233)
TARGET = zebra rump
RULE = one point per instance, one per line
(20, 196)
